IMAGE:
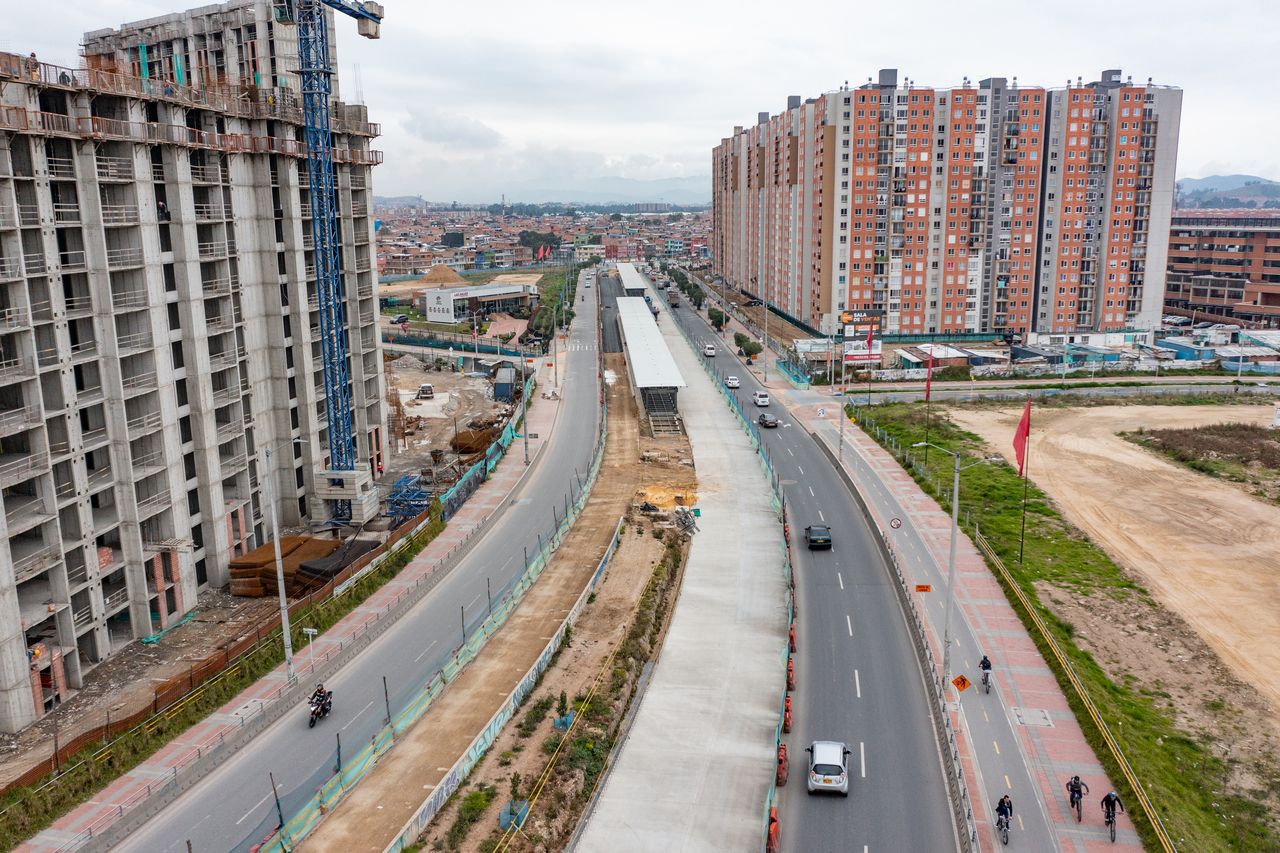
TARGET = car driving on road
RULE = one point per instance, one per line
(828, 767)
(732, 382)
(767, 420)
(709, 350)
(760, 398)
(817, 536)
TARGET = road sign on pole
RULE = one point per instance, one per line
(961, 683)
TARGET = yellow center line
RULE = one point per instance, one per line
(997, 746)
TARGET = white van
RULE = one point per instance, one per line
(760, 398)
(709, 350)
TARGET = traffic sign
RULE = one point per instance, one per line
(924, 587)
(961, 683)
(895, 523)
(822, 413)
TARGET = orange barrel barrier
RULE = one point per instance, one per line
(791, 674)
(771, 841)
(791, 640)
(784, 765)
(786, 715)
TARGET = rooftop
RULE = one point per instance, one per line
(651, 363)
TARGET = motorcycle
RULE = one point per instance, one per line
(320, 708)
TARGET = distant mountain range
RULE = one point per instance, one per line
(607, 190)
(1228, 191)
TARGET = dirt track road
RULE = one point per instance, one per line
(1205, 549)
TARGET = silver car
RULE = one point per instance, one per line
(828, 767)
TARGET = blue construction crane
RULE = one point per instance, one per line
(316, 72)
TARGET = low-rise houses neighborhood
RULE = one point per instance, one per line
(412, 240)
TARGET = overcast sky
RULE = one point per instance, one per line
(484, 97)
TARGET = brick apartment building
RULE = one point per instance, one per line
(981, 208)
(1225, 263)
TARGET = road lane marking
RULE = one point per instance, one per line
(252, 809)
(840, 578)
(474, 600)
(849, 622)
(857, 684)
(811, 494)
(997, 746)
(358, 713)
(862, 757)
(424, 651)
(984, 715)
(821, 516)
(1020, 825)
(1008, 786)
(789, 451)
(801, 470)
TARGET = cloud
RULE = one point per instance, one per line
(428, 124)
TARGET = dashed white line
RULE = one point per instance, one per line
(996, 744)
(252, 809)
(811, 494)
(862, 757)
(849, 623)
(424, 651)
(801, 470)
(821, 516)
(840, 578)
(857, 684)
(790, 451)
(358, 713)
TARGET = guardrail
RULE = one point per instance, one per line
(1113, 746)
(333, 790)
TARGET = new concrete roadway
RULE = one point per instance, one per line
(858, 677)
(231, 807)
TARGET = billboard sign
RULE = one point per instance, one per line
(862, 330)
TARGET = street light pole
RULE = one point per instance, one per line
(524, 406)
(275, 541)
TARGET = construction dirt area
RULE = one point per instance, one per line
(430, 424)
(1209, 641)
(124, 683)
(635, 469)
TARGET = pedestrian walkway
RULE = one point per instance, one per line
(695, 769)
(188, 752)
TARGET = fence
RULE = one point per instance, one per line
(346, 777)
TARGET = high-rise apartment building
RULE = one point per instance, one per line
(994, 207)
(1226, 263)
(158, 329)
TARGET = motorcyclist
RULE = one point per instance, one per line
(1109, 803)
(319, 695)
(1004, 808)
(1074, 788)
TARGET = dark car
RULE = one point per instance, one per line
(817, 536)
(767, 421)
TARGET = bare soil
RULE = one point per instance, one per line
(371, 815)
(1247, 455)
(1204, 643)
(123, 684)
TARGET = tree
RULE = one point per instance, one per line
(562, 705)
(752, 348)
(716, 316)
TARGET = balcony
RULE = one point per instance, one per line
(8, 219)
(365, 291)
(129, 300)
(120, 214)
(28, 215)
(83, 350)
(31, 559)
(73, 261)
(90, 438)
(152, 504)
(206, 174)
(10, 269)
(210, 212)
(78, 305)
(61, 167)
(66, 214)
(215, 249)
(140, 383)
(124, 258)
(35, 264)
(134, 343)
(228, 431)
(98, 479)
(234, 463)
(114, 168)
(16, 467)
(146, 422)
(223, 360)
(146, 464)
(17, 420)
(14, 319)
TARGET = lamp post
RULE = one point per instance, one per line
(951, 557)
(275, 541)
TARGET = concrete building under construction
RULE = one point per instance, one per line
(158, 329)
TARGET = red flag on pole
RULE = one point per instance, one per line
(928, 377)
(1020, 437)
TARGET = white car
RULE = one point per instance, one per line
(760, 398)
(732, 382)
(828, 767)
(709, 350)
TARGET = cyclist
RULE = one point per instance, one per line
(1004, 808)
(985, 666)
(1109, 803)
(1076, 789)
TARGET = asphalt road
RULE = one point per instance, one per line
(610, 289)
(232, 807)
(858, 680)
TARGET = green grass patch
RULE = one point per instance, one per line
(472, 808)
(1185, 780)
(28, 810)
(534, 716)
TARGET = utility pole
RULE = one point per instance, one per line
(524, 406)
(268, 482)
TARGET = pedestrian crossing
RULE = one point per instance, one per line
(580, 347)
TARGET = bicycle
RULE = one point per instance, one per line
(1110, 818)
(986, 681)
(1077, 798)
(1002, 827)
